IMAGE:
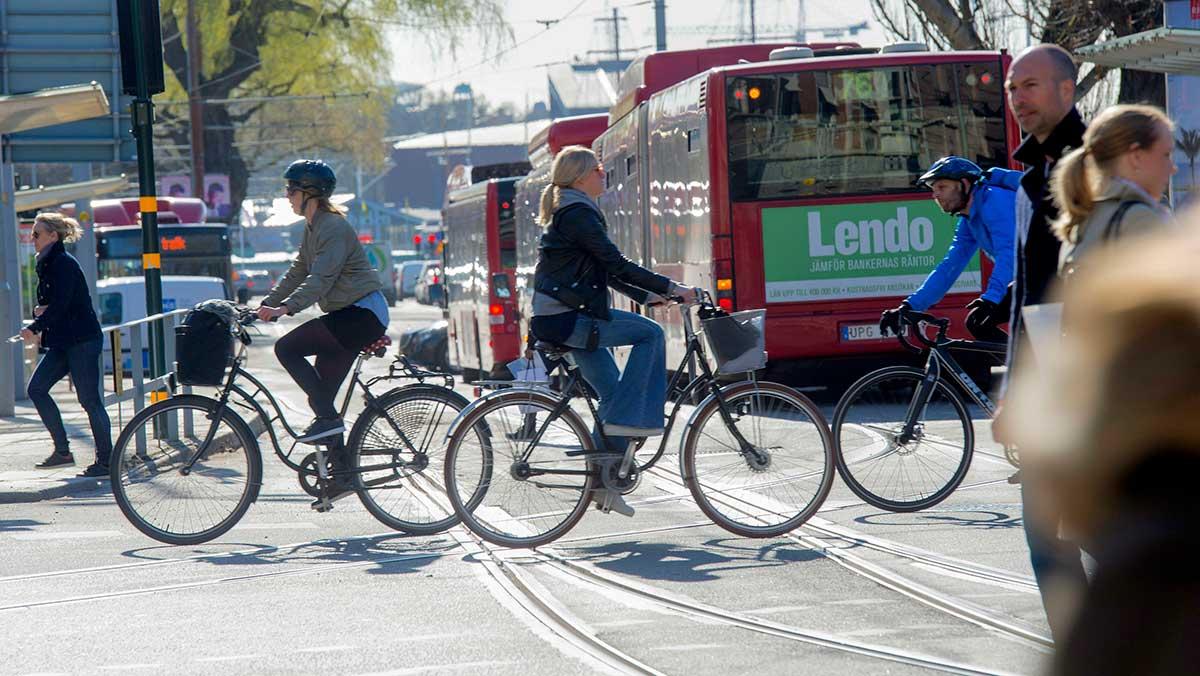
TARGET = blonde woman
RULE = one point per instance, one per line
(1112, 186)
(70, 335)
(577, 264)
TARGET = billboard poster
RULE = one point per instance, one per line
(216, 192)
(175, 185)
(865, 250)
(1183, 93)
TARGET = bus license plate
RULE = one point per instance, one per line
(853, 333)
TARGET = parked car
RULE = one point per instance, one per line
(430, 289)
(123, 299)
(426, 346)
(411, 273)
(250, 283)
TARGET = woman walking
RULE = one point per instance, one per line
(577, 263)
(331, 270)
(70, 334)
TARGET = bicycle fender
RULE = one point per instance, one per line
(540, 389)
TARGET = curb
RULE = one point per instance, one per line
(73, 487)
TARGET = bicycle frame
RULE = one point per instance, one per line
(371, 402)
(695, 348)
(939, 361)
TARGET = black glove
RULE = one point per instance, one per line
(890, 319)
(984, 312)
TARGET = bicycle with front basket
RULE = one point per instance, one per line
(903, 436)
(186, 469)
(757, 456)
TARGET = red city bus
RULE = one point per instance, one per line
(189, 245)
(480, 257)
(568, 131)
(790, 185)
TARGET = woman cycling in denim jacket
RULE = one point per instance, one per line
(983, 202)
(577, 264)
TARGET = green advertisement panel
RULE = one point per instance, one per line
(868, 250)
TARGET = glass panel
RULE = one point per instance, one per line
(868, 131)
(500, 286)
(110, 308)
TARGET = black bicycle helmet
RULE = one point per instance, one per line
(953, 168)
(314, 177)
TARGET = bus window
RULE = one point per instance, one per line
(866, 131)
(110, 309)
(500, 286)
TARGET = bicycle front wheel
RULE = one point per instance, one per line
(398, 453)
(509, 493)
(164, 498)
(775, 485)
(889, 468)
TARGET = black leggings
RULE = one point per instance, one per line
(333, 361)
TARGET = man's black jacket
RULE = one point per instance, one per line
(577, 263)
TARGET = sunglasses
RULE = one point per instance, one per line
(37, 234)
(290, 190)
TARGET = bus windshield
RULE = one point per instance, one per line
(828, 133)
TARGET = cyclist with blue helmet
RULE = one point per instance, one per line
(332, 271)
(983, 202)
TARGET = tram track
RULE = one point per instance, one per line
(1002, 624)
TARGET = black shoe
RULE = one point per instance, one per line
(95, 470)
(321, 428)
(334, 492)
(56, 460)
(1015, 479)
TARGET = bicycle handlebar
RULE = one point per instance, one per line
(916, 320)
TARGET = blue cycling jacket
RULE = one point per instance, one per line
(990, 226)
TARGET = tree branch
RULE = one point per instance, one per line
(960, 33)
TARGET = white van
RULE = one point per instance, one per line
(123, 299)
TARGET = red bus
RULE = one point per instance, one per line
(480, 257)
(188, 244)
(789, 184)
(581, 130)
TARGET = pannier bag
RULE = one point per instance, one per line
(204, 344)
(738, 340)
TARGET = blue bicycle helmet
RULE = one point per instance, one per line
(314, 177)
(953, 168)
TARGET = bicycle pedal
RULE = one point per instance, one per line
(325, 504)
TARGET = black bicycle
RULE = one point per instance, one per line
(903, 435)
(186, 469)
(522, 465)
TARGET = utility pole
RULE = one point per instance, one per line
(143, 130)
(753, 26)
(616, 19)
(660, 25)
(195, 104)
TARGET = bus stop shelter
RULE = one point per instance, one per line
(1174, 51)
(22, 112)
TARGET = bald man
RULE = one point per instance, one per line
(1041, 94)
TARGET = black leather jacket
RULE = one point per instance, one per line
(577, 263)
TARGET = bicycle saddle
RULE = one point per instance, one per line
(378, 348)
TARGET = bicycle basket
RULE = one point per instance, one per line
(737, 340)
(203, 348)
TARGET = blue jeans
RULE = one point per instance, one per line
(636, 397)
(82, 362)
(1058, 565)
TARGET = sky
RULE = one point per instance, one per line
(514, 71)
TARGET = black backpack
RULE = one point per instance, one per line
(203, 348)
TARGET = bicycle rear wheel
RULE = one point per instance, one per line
(880, 465)
(163, 502)
(782, 482)
(401, 483)
(506, 499)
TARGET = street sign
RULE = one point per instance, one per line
(53, 43)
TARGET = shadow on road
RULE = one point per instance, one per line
(666, 561)
(10, 525)
(969, 518)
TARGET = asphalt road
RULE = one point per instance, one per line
(293, 591)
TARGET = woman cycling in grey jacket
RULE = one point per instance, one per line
(332, 271)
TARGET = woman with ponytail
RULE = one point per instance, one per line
(577, 264)
(1112, 187)
(70, 335)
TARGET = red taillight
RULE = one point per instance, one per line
(723, 274)
(726, 304)
(437, 280)
(496, 309)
